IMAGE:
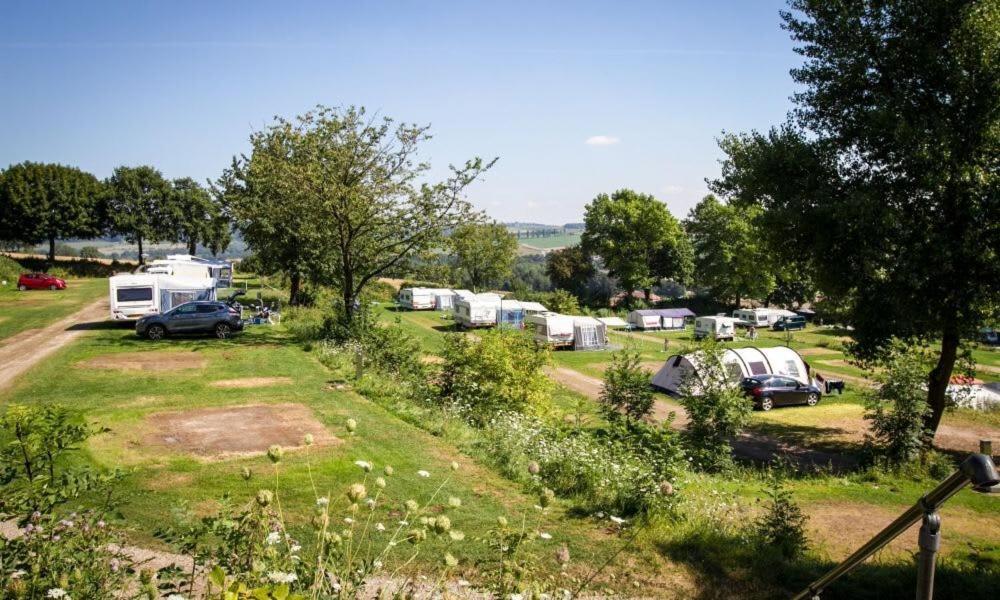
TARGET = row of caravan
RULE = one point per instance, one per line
(163, 284)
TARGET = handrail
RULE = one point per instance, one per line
(977, 469)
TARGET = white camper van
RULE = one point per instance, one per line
(760, 317)
(135, 295)
(552, 328)
(720, 328)
(479, 311)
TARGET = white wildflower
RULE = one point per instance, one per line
(273, 538)
(321, 502)
(545, 536)
(282, 577)
(57, 593)
(364, 464)
(423, 473)
(379, 527)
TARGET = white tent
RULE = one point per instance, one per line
(551, 328)
(741, 362)
(613, 322)
(589, 334)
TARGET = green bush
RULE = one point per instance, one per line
(897, 406)
(89, 252)
(10, 270)
(716, 408)
(501, 369)
(626, 387)
(781, 527)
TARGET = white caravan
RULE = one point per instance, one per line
(719, 328)
(760, 317)
(481, 310)
(186, 265)
(552, 328)
(417, 298)
(135, 295)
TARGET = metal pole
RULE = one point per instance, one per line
(929, 542)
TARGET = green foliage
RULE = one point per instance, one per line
(894, 147)
(334, 195)
(569, 269)
(483, 254)
(10, 270)
(781, 525)
(561, 301)
(198, 217)
(897, 406)
(75, 267)
(499, 369)
(528, 276)
(47, 202)
(730, 258)
(716, 408)
(626, 388)
(89, 252)
(140, 206)
(637, 239)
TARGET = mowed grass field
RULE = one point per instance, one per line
(140, 390)
(552, 241)
(20, 311)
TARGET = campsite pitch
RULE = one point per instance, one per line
(222, 432)
(146, 361)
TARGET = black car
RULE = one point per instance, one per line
(218, 318)
(789, 323)
(769, 391)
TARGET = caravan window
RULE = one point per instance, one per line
(140, 294)
(758, 368)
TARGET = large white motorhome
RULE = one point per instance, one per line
(135, 295)
(186, 265)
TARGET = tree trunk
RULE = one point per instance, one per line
(738, 299)
(52, 249)
(938, 380)
(348, 294)
(138, 241)
(192, 246)
(648, 293)
(293, 294)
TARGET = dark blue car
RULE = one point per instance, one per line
(217, 318)
(769, 391)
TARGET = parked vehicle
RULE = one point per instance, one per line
(769, 391)
(39, 281)
(720, 328)
(186, 265)
(219, 318)
(482, 310)
(789, 323)
(552, 329)
(990, 336)
(134, 296)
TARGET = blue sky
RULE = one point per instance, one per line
(179, 85)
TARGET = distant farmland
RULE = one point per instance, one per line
(550, 242)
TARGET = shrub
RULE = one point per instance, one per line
(561, 301)
(716, 408)
(897, 406)
(89, 252)
(626, 387)
(10, 270)
(501, 369)
(781, 527)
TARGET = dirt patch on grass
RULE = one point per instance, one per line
(146, 361)
(844, 526)
(815, 351)
(430, 359)
(250, 382)
(222, 432)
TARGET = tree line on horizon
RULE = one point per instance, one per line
(46, 202)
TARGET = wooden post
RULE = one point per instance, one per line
(986, 447)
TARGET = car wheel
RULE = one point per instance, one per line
(156, 332)
(766, 404)
(23, 288)
(812, 399)
(223, 331)
(53, 287)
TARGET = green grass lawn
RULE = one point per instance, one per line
(552, 241)
(162, 478)
(20, 311)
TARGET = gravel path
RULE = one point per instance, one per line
(22, 351)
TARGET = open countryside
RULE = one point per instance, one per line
(393, 352)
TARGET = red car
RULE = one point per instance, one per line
(39, 281)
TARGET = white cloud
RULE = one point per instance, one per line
(671, 189)
(602, 140)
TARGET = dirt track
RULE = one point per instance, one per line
(24, 350)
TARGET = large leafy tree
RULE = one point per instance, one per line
(338, 196)
(483, 253)
(730, 259)
(141, 206)
(887, 180)
(199, 217)
(637, 239)
(47, 202)
(570, 269)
